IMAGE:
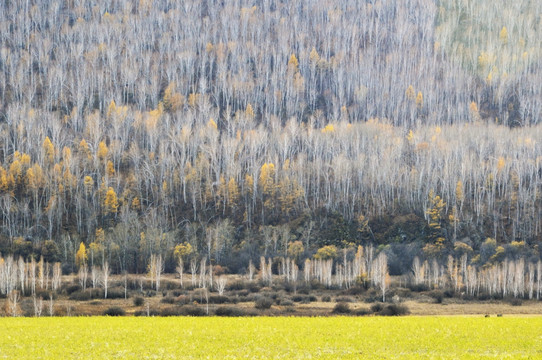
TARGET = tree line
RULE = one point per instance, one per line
(367, 268)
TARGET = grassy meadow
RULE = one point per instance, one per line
(411, 337)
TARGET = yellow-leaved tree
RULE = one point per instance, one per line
(293, 63)
(172, 100)
(419, 100)
(111, 202)
(102, 151)
(326, 253)
(182, 252)
(48, 150)
(110, 169)
(233, 194)
(84, 150)
(437, 220)
(295, 250)
(88, 183)
(81, 255)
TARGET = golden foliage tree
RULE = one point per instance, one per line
(437, 220)
(172, 100)
(326, 253)
(48, 149)
(295, 249)
(84, 149)
(102, 151)
(183, 250)
(110, 169)
(88, 183)
(111, 203)
(419, 100)
(267, 178)
(293, 63)
(81, 255)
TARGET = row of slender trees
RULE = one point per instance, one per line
(509, 278)
(27, 277)
(368, 268)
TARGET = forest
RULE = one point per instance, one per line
(137, 134)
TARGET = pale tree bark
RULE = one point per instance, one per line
(105, 273)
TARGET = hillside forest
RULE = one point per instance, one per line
(160, 133)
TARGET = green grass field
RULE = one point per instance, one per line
(286, 338)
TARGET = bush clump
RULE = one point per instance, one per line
(45, 294)
(437, 295)
(115, 311)
(177, 293)
(355, 290)
(88, 294)
(80, 296)
(418, 287)
(183, 311)
(230, 311)
(263, 303)
(285, 302)
(304, 299)
(394, 310)
(236, 285)
(193, 311)
(363, 312)
(218, 299)
(376, 308)
(72, 288)
(169, 285)
(341, 308)
(171, 311)
(516, 302)
(138, 301)
(116, 293)
(252, 286)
